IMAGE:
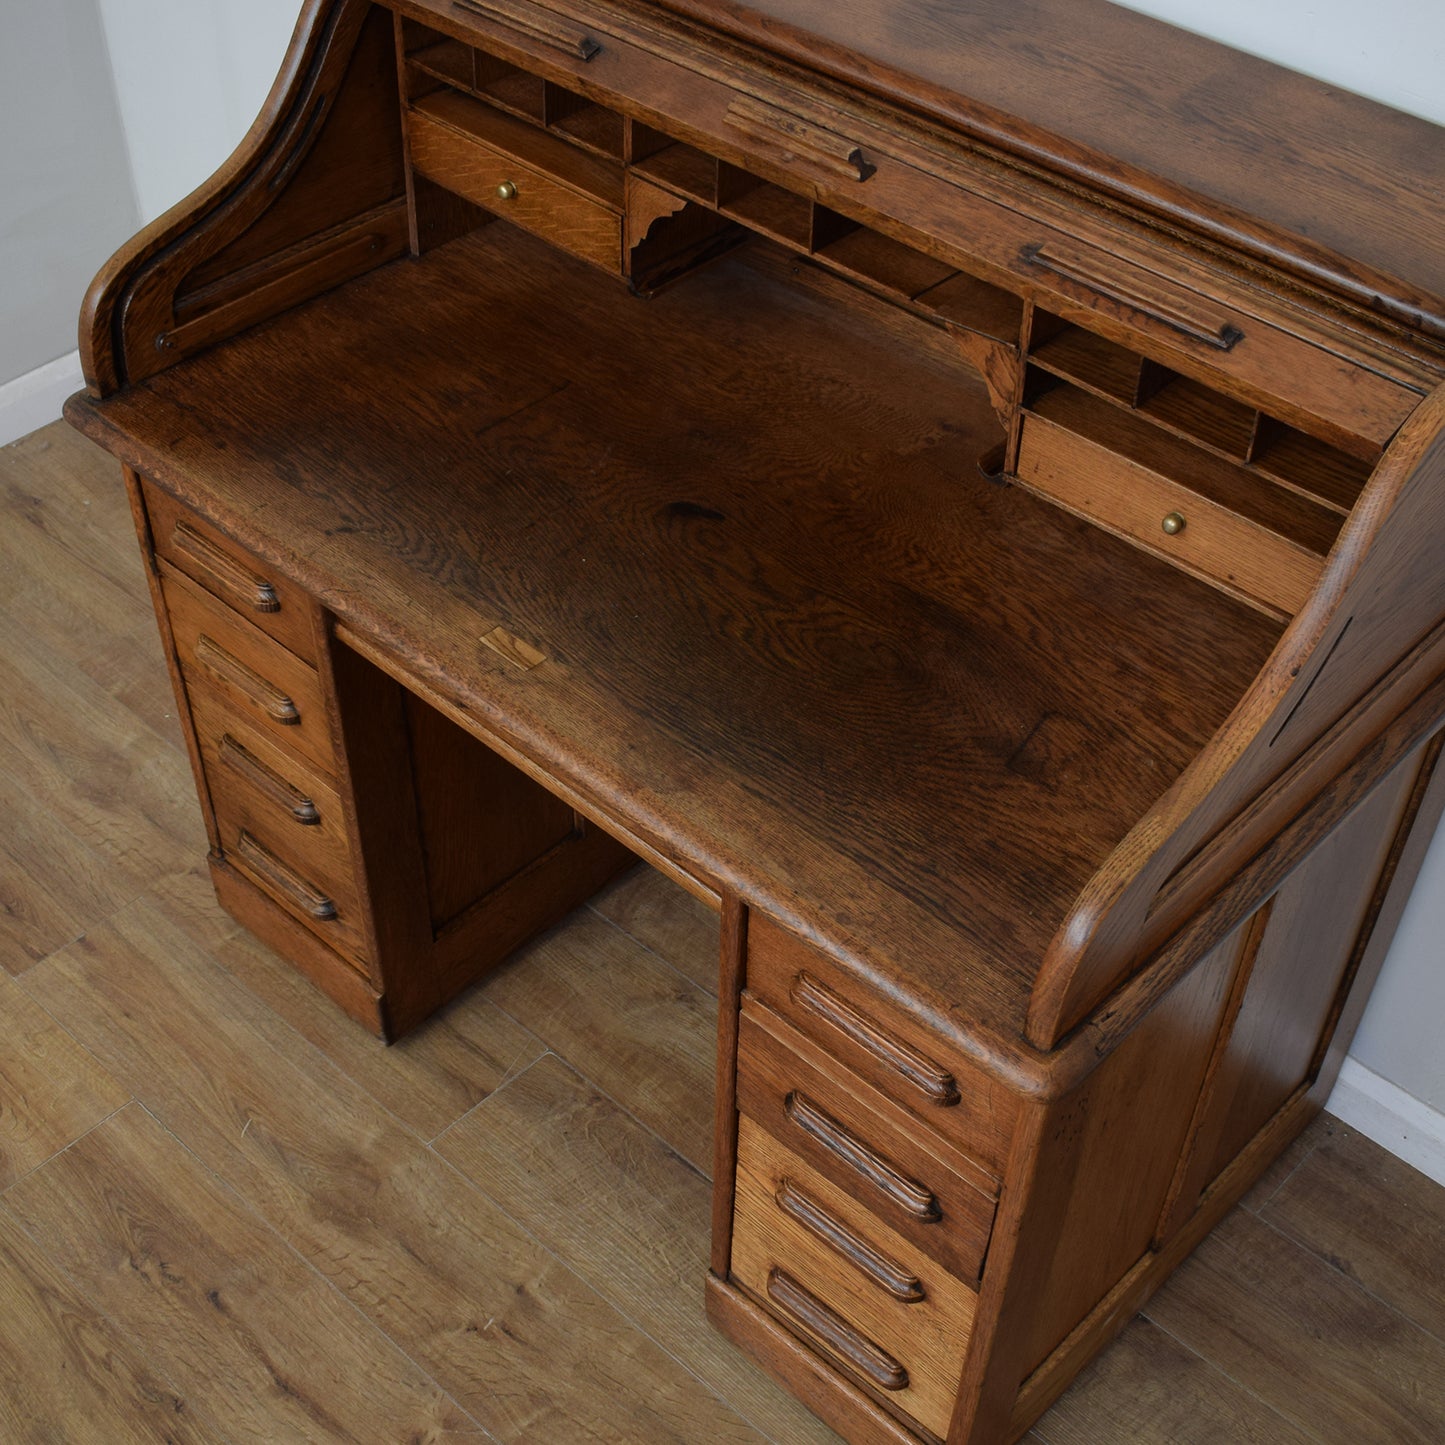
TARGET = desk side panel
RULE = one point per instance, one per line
(314, 196)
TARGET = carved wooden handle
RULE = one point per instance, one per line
(885, 1272)
(908, 1194)
(858, 1350)
(253, 687)
(271, 870)
(267, 782)
(233, 578)
(551, 30)
(1133, 290)
(932, 1080)
(795, 137)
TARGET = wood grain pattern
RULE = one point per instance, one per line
(1312, 1345)
(1329, 1203)
(65, 1373)
(954, 651)
(926, 1335)
(1148, 1389)
(627, 1021)
(516, 1339)
(550, 1135)
(1197, 135)
(269, 686)
(65, 1366)
(51, 1090)
(431, 1078)
(229, 572)
(667, 919)
(226, 1309)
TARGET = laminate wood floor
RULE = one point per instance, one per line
(227, 1214)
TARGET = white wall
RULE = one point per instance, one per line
(217, 59)
(65, 188)
(191, 75)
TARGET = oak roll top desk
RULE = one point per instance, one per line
(960, 487)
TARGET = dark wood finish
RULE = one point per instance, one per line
(1058, 828)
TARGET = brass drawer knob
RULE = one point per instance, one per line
(1173, 524)
(507, 191)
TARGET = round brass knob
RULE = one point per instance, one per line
(1173, 524)
(507, 191)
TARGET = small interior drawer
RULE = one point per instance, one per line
(892, 1051)
(570, 198)
(905, 1320)
(230, 573)
(921, 1188)
(254, 676)
(1167, 516)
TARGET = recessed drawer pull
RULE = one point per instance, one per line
(886, 1273)
(909, 1195)
(552, 30)
(791, 135)
(871, 1362)
(1160, 304)
(271, 870)
(933, 1081)
(268, 782)
(231, 578)
(254, 688)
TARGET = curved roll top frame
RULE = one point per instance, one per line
(1349, 665)
(248, 243)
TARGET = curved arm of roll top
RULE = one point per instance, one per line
(1354, 658)
(313, 196)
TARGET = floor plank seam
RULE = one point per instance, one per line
(1258, 1209)
(617, 1103)
(1333, 1265)
(646, 948)
(1239, 1384)
(84, 1134)
(585, 1283)
(510, 1078)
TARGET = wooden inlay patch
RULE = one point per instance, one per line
(509, 645)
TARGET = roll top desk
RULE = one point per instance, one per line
(960, 488)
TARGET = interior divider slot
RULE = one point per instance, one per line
(758, 204)
(681, 168)
(593, 127)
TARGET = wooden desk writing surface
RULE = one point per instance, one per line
(1020, 617)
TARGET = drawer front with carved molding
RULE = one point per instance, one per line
(230, 573)
(862, 1295)
(257, 678)
(921, 1188)
(894, 1053)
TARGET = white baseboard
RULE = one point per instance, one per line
(1395, 1120)
(32, 400)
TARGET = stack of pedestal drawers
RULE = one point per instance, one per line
(867, 1177)
(246, 648)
